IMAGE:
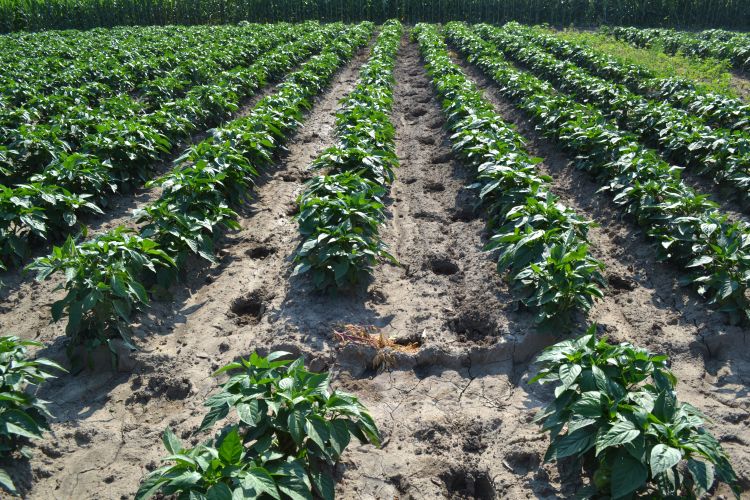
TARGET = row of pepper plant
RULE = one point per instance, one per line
(36, 141)
(291, 429)
(340, 210)
(56, 95)
(712, 252)
(45, 80)
(542, 243)
(108, 277)
(64, 122)
(684, 138)
(98, 63)
(716, 109)
(49, 207)
(717, 44)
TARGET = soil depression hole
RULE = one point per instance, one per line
(260, 252)
(462, 483)
(249, 308)
(443, 266)
(472, 325)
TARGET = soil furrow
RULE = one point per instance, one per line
(448, 411)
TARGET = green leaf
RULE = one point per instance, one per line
(20, 423)
(589, 405)
(317, 431)
(219, 491)
(171, 443)
(216, 413)
(663, 457)
(231, 447)
(258, 481)
(340, 436)
(340, 269)
(575, 443)
(294, 482)
(186, 480)
(150, 486)
(600, 378)
(621, 432)
(6, 482)
(700, 261)
(569, 374)
(323, 484)
(296, 425)
(703, 475)
(628, 475)
(249, 412)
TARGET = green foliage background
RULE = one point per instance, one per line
(81, 14)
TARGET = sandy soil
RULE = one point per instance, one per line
(455, 415)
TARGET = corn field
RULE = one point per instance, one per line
(81, 14)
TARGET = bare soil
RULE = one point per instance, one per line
(455, 415)
(740, 83)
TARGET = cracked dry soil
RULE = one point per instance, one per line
(455, 416)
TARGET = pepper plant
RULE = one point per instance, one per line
(616, 410)
(292, 429)
(23, 416)
(103, 280)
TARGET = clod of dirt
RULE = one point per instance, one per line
(249, 308)
(427, 139)
(418, 111)
(462, 483)
(436, 436)
(51, 450)
(428, 216)
(401, 483)
(621, 283)
(443, 266)
(83, 438)
(377, 296)
(462, 215)
(173, 389)
(412, 338)
(292, 209)
(473, 442)
(260, 251)
(442, 157)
